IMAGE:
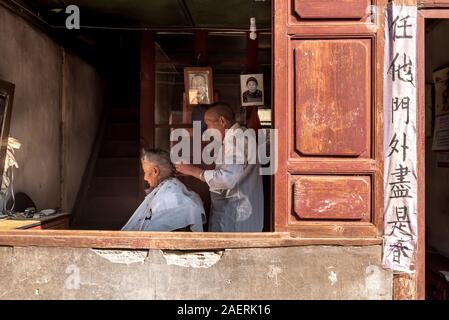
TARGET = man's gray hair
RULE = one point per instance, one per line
(158, 157)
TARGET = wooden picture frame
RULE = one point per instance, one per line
(251, 90)
(6, 103)
(198, 85)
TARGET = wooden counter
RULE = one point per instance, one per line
(55, 221)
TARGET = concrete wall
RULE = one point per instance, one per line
(437, 178)
(34, 63)
(310, 272)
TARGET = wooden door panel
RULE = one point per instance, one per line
(331, 9)
(327, 99)
(332, 197)
(333, 97)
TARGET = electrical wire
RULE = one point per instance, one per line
(41, 19)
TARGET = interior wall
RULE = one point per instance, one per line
(33, 62)
(437, 178)
(82, 107)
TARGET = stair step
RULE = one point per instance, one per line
(124, 115)
(119, 149)
(110, 207)
(123, 131)
(117, 167)
(114, 204)
(114, 186)
(113, 193)
(104, 209)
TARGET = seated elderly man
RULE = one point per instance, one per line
(169, 205)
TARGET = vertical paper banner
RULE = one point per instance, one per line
(400, 141)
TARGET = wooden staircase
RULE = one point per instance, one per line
(112, 193)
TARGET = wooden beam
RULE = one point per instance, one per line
(168, 240)
(433, 3)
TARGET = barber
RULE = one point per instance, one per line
(235, 188)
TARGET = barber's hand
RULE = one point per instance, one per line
(184, 168)
(188, 169)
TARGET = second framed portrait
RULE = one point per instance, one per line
(198, 85)
(251, 86)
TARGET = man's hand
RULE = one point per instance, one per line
(189, 170)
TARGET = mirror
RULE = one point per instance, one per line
(6, 101)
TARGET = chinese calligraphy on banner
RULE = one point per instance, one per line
(400, 180)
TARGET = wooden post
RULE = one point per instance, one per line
(252, 47)
(147, 89)
(252, 121)
(251, 54)
(252, 118)
(405, 286)
(200, 49)
(147, 95)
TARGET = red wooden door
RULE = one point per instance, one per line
(327, 100)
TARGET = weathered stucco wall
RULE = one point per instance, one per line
(35, 64)
(32, 61)
(310, 272)
(84, 92)
(437, 178)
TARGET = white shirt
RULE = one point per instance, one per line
(236, 189)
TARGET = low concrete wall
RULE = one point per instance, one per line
(310, 272)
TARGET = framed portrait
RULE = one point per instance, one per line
(441, 82)
(198, 85)
(6, 100)
(251, 88)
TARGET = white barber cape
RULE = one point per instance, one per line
(236, 190)
(169, 206)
